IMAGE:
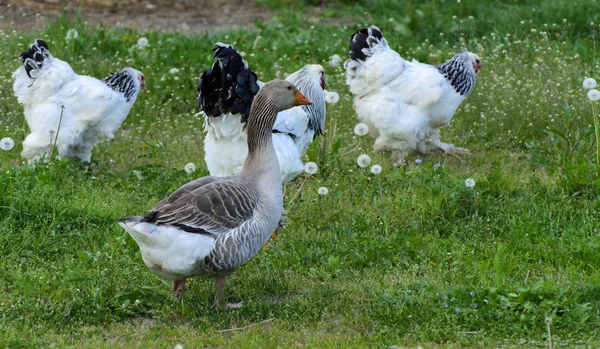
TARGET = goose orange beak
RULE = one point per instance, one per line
(302, 99)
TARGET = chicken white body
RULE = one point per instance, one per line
(406, 103)
(70, 111)
(294, 130)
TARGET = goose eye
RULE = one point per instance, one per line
(290, 88)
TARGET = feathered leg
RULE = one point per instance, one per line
(178, 288)
(448, 149)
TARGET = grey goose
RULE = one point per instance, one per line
(212, 225)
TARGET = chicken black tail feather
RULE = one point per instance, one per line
(362, 41)
(33, 58)
(229, 86)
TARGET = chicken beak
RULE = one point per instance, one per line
(302, 99)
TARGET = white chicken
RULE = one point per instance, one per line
(225, 94)
(406, 103)
(68, 111)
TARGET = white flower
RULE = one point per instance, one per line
(173, 71)
(593, 95)
(331, 97)
(6, 143)
(142, 42)
(138, 174)
(310, 168)
(589, 83)
(335, 60)
(363, 160)
(469, 183)
(375, 169)
(71, 34)
(361, 129)
(323, 191)
(178, 346)
(190, 168)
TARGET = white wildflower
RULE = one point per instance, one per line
(361, 129)
(310, 168)
(593, 95)
(331, 97)
(190, 168)
(138, 174)
(173, 71)
(142, 42)
(178, 346)
(72, 34)
(375, 169)
(469, 182)
(6, 143)
(363, 160)
(335, 60)
(589, 83)
(323, 191)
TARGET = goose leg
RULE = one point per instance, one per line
(178, 287)
(220, 298)
(283, 222)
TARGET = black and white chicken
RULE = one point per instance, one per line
(225, 94)
(406, 103)
(70, 111)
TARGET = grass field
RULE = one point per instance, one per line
(409, 257)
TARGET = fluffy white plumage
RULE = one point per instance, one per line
(92, 110)
(406, 103)
(225, 144)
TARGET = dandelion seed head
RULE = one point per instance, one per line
(332, 97)
(589, 83)
(335, 61)
(469, 182)
(361, 129)
(363, 160)
(548, 320)
(142, 42)
(7, 143)
(190, 168)
(323, 191)
(310, 168)
(375, 169)
(72, 34)
(593, 95)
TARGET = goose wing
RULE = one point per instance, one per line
(209, 205)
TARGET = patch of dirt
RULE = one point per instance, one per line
(182, 16)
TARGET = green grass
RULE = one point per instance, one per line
(381, 260)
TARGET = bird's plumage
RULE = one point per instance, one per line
(225, 142)
(70, 111)
(405, 103)
(212, 225)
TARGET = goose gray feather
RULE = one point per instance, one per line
(213, 225)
